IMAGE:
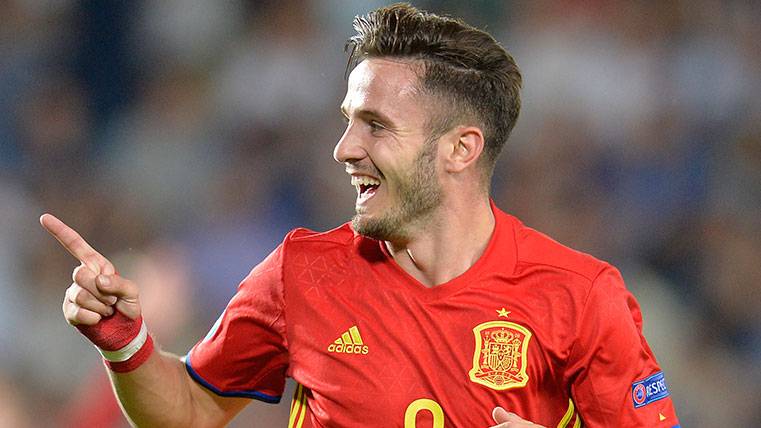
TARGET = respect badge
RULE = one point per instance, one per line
(653, 388)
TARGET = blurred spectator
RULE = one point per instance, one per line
(163, 153)
(274, 75)
(190, 32)
(13, 412)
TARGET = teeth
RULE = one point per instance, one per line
(364, 181)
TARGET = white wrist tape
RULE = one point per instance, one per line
(128, 351)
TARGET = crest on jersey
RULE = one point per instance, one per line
(501, 355)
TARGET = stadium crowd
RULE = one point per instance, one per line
(184, 138)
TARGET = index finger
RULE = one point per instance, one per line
(74, 243)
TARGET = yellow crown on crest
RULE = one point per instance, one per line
(501, 336)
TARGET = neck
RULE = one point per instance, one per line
(449, 244)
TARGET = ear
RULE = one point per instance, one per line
(464, 146)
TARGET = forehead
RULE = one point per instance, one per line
(386, 85)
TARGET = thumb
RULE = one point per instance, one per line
(125, 290)
(500, 415)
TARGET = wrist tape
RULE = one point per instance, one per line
(123, 342)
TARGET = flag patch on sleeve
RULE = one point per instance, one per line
(650, 389)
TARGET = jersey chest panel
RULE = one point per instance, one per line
(371, 351)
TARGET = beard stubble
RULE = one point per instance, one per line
(419, 194)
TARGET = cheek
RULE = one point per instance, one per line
(395, 160)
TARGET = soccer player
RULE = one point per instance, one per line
(432, 308)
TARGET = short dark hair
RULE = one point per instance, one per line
(462, 66)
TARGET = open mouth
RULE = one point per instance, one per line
(366, 186)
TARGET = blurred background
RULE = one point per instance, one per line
(184, 138)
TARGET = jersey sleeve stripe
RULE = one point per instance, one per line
(302, 412)
(298, 408)
(577, 424)
(294, 405)
(568, 414)
(294, 400)
(273, 399)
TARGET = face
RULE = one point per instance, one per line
(387, 150)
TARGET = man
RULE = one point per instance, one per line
(432, 308)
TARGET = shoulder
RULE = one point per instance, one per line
(326, 259)
(303, 246)
(536, 250)
(306, 239)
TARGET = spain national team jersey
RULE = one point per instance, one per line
(539, 329)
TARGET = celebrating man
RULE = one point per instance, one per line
(431, 308)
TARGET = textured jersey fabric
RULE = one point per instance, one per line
(544, 331)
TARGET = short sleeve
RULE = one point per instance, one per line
(615, 379)
(245, 354)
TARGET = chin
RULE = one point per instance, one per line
(377, 228)
(361, 224)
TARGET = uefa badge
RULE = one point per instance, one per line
(653, 388)
(501, 355)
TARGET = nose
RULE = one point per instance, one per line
(349, 148)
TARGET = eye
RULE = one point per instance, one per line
(376, 126)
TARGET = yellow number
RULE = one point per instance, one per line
(423, 404)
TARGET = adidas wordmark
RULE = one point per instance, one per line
(350, 342)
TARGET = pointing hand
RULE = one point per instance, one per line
(96, 289)
(102, 305)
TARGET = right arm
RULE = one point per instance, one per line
(159, 391)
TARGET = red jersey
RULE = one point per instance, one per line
(535, 327)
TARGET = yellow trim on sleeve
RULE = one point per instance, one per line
(568, 414)
(577, 424)
(298, 408)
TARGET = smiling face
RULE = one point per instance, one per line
(387, 150)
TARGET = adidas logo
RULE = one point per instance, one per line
(350, 342)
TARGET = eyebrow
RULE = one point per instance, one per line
(369, 114)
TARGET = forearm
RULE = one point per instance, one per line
(158, 393)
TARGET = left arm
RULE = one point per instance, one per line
(614, 377)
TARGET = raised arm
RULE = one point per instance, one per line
(152, 386)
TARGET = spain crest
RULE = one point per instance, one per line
(501, 355)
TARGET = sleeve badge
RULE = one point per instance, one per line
(653, 388)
